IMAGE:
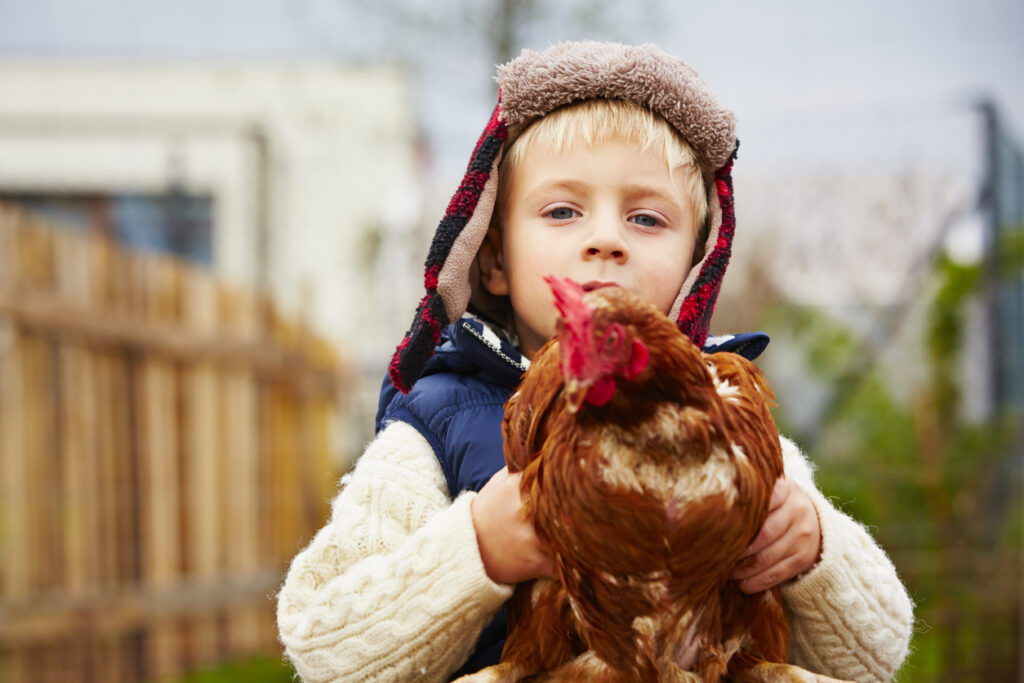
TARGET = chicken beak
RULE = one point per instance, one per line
(575, 393)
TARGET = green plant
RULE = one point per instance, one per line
(938, 490)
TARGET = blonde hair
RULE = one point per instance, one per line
(593, 122)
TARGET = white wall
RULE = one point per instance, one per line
(323, 155)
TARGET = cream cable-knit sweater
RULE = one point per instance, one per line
(393, 588)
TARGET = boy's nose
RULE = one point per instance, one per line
(605, 242)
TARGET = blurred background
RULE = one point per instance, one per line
(213, 215)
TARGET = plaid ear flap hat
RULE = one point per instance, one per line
(531, 86)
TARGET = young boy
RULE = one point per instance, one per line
(603, 163)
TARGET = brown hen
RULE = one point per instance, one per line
(648, 467)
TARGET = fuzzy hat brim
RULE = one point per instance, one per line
(536, 83)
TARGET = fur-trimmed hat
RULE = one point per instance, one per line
(531, 86)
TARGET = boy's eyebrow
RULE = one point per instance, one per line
(578, 186)
(649, 191)
(566, 184)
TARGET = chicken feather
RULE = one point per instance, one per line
(646, 495)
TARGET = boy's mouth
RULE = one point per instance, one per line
(596, 284)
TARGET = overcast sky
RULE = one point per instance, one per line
(765, 59)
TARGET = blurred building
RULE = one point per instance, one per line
(298, 178)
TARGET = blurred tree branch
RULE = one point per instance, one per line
(495, 30)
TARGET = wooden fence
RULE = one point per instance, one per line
(165, 448)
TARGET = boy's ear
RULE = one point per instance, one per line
(491, 261)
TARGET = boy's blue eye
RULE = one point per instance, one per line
(562, 213)
(646, 220)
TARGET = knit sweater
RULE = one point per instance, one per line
(393, 587)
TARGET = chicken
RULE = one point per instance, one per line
(647, 468)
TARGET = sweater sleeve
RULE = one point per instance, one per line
(850, 615)
(392, 588)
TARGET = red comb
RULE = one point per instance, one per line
(569, 301)
(575, 327)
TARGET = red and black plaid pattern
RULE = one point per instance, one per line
(411, 356)
(695, 314)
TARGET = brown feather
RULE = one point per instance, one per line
(646, 503)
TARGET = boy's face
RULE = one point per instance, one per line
(611, 214)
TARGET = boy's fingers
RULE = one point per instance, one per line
(760, 562)
(778, 562)
(785, 546)
(779, 493)
(771, 577)
(509, 547)
(776, 525)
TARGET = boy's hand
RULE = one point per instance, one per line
(788, 544)
(509, 546)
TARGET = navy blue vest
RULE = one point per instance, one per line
(458, 405)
